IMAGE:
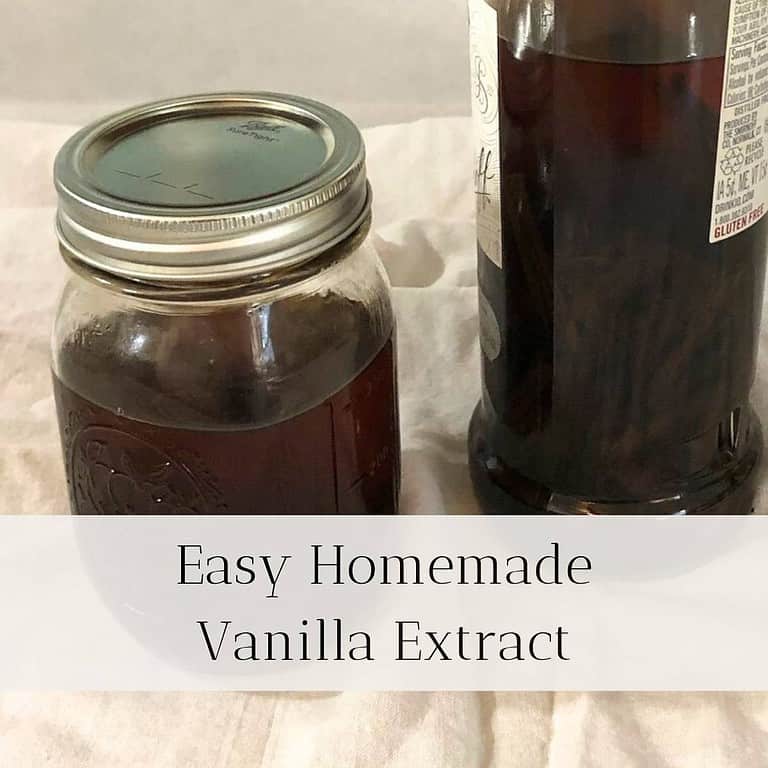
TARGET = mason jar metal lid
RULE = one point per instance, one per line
(211, 187)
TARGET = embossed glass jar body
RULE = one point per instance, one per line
(622, 254)
(276, 402)
(268, 391)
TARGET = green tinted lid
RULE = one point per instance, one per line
(211, 187)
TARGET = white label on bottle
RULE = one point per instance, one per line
(741, 176)
(484, 53)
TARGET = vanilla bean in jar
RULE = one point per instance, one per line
(622, 254)
(225, 343)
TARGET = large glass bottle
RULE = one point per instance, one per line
(621, 185)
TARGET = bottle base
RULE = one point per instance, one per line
(501, 490)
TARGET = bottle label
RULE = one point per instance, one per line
(740, 197)
(484, 60)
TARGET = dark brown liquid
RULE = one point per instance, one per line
(158, 432)
(628, 341)
(338, 458)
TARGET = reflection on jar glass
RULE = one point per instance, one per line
(225, 343)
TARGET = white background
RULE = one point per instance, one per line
(381, 62)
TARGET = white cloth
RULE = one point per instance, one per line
(425, 233)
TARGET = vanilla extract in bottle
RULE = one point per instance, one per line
(225, 343)
(621, 254)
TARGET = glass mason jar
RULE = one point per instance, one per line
(621, 181)
(225, 343)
